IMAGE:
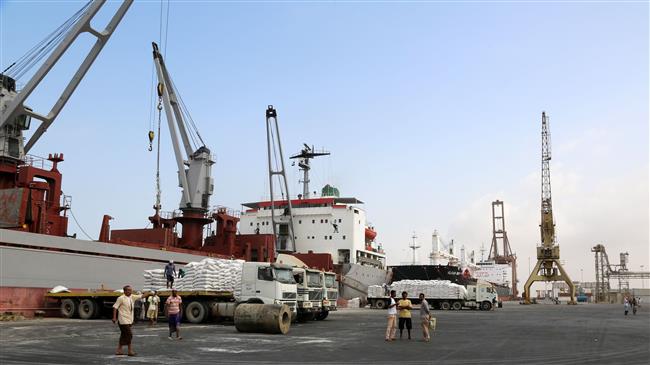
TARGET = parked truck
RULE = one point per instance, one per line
(305, 308)
(261, 283)
(480, 295)
(330, 295)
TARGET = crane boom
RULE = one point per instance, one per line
(15, 112)
(196, 180)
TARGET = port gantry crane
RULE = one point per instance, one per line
(548, 254)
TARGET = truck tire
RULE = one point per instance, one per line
(196, 312)
(380, 304)
(69, 308)
(87, 309)
(486, 306)
(456, 306)
(305, 317)
(445, 306)
(322, 315)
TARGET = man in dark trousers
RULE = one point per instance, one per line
(123, 316)
(170, 274)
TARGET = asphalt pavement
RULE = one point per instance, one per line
(514, 334)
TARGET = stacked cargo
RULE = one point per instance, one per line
(430, 288)
(207, 274)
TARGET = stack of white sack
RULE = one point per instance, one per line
(154, 279)
(375, 291)
(442, 289)
(207, 274)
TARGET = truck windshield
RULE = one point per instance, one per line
(314, 280)
(284, 276)
(330, 281)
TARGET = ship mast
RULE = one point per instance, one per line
(304, 156)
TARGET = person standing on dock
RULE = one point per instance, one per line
(173, 309)
(392, 317)
(170, 274)
(425, 316)
(626, 305)
(405, 315)
(123, 316)
(152, 311)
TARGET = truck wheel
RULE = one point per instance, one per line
(380, 304)
(305, 317)
(456, 306)
(445, 306)
(69, 308)
(87, 309)
(196, 312)
(486, 306)
(322, 315)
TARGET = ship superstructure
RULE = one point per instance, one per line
(326, 224)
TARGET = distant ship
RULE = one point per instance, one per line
(446, 264)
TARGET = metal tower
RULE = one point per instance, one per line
(605, 271)
(282, 224)
(500, 238)
(548, 267)
(304, 156)
(414, 246)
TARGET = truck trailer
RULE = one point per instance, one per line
(440, 294)
(261, 283)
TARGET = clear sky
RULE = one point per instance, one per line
(431, 111)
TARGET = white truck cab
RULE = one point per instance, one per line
(305, 308)
(330, 291)
(315, 281)
(482, 295)
(268, 283)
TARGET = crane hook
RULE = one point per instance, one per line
(151, 135)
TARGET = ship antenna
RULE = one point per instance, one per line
(306, 154)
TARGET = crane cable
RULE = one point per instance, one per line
(42, 49)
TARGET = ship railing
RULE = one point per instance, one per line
(231, 212)
(37, 161)
(170, 214)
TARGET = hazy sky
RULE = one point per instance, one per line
(431, 111)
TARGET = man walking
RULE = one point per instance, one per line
(173, 309)
(170, 274)
(152, 312)
(123, 316)
(405, 315)
(392, 314)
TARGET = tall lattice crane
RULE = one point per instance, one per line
(548, 267)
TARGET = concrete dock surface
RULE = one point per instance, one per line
(514, 334)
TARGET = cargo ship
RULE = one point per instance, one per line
(330, 232)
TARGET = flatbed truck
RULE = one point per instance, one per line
(262, 283)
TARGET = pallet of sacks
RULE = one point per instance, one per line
(431, 288)
(207, 274)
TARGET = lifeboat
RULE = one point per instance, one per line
(370, 234)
